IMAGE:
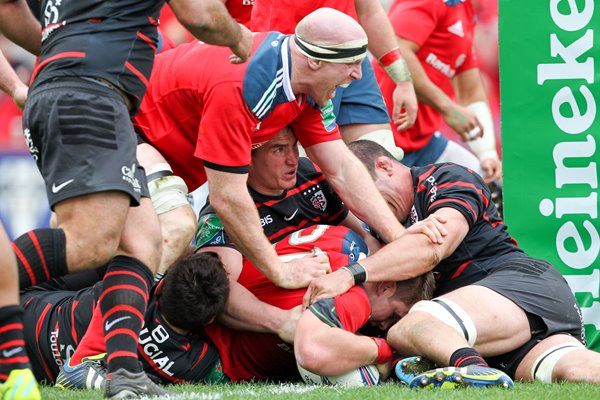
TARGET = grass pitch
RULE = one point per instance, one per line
(387, 391)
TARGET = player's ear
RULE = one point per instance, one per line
(386, 288)
(314, 64)
(385, 164)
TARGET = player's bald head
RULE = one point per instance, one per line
(342, 38)
(327, 26)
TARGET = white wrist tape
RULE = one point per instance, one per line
(385, 138)
(484, 147)
(167, 191)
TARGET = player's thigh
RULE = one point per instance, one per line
(93, 225)
(500, 324)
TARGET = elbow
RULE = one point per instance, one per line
(309, 355)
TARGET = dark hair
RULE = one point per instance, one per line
(413, 290)
(368, 151)
(195, 291)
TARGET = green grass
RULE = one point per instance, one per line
(391, 391)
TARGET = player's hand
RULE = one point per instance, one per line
(405, 108)
(464, 122)
(287, 331)
(327, 286)
(385, 370)
(492, 170)
(241, 50)
(299, 272)
(20, 95)
(432, 227)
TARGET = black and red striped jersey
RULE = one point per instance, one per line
(112, 40)
(311, 201)
(55, 321)
(450, 185)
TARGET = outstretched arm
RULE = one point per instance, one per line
(209, 21)
(413, 254)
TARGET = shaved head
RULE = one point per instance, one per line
(326, 27)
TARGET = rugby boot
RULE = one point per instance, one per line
(20, 385)
(407, 368)
(90, 374)
(123, 384)
(455, 377)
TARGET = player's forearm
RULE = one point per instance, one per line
(244, 311)
(207, 20)
(19, 25)
(330, 351)
(376, 24)
(406, 258)
(427, 92)
(9, 81)
(239, 216)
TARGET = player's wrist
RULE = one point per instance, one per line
(395, 66)
(384, 351)
(357, 271)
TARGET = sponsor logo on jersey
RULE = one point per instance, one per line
(210, 231)
(33, 150)
(266, 220)
(414, 217)
(433, 190)
(457, 28)
(328, 117)
(319, 201)
(441, 66)
(150, 341)
(129, 177)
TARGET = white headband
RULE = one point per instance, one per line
(346, 52)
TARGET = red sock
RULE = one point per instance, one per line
(92, 343)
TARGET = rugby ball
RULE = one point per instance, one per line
(363, 376)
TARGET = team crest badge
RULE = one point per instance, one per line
(319, 201)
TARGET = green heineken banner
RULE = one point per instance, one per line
(550, 96)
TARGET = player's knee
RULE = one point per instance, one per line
(450, 314)
(550, 366)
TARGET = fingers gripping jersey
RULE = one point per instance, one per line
(199, 113)
(248, 355)
(312, 201)
(450, 185)
(444, 32)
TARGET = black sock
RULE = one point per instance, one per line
(467, 356)
(12, 345)
(123, 304)
(41, 255)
